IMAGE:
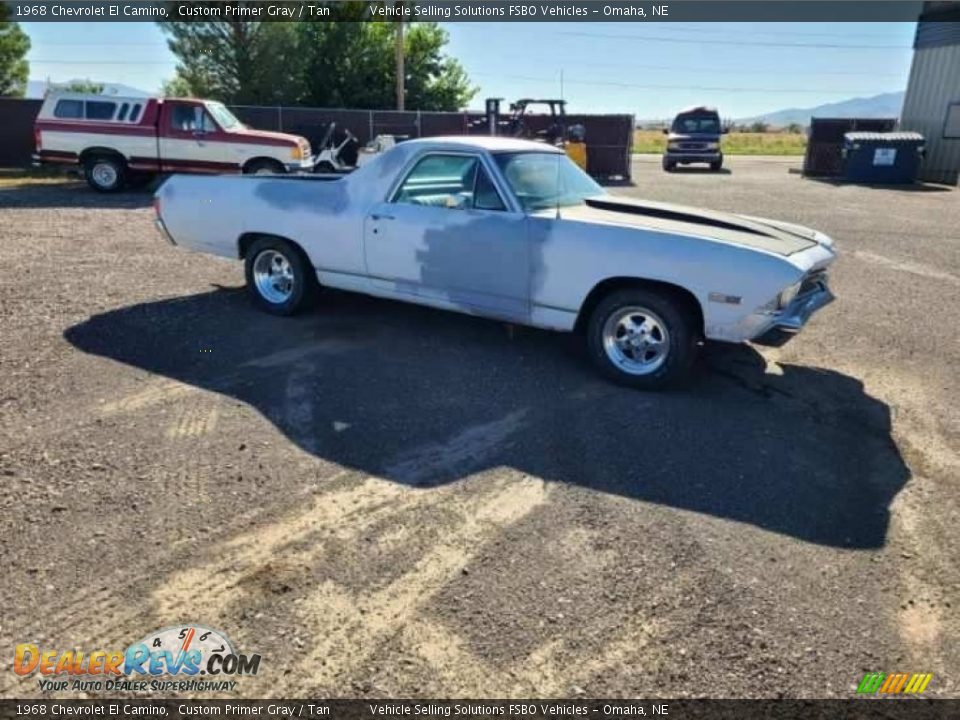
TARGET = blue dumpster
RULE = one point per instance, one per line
(890, 157)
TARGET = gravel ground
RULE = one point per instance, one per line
(386, 500)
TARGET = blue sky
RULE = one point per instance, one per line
(646, 69)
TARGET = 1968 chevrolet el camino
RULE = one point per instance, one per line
(513, 230)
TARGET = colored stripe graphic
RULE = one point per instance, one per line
(894, 683)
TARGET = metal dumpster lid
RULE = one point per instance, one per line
(903, 136)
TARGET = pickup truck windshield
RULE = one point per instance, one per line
(225, 119)
(546, 180)
(691, 124)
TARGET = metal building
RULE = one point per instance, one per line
(932, 103)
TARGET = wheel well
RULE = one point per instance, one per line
(604, 288)
(247, 239)
(262, 159)
(93, 152)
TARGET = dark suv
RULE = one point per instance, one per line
(694, 137)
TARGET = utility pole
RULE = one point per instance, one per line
(399, 58)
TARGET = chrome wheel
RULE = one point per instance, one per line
(636, 340)
(104, 174)
(273, 276)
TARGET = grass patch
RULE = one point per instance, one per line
(735, 143)
(12, 177)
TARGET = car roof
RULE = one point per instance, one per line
(486, 142)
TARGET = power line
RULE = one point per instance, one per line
(744, 43)
(675, 86)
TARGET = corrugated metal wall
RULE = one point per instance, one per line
(934, 84)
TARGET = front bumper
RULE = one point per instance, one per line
(788, 322)
(301, 166)
(704, 156)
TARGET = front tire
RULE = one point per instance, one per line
(716, 165)
(668, 165)
(105, 174)
(264, 166)
(643, 339)
(280, 279)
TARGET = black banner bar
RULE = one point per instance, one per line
(625, 11)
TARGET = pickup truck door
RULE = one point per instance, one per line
(190, 140)
(446, 236)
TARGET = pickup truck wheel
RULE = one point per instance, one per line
(264, 167)
(642, 339)
(105, 174)
(279, 277)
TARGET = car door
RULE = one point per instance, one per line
(190, 140)
(448, 237)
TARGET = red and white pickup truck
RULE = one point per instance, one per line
(116, 140)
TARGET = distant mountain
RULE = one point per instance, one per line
(887, 105)
(37, 88)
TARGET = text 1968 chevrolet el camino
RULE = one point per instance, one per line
(514, 230)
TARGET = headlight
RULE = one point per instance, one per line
(713, 146)
(673, 146)
(296, 153)
(787, 296)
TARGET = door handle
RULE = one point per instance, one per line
(377, 216)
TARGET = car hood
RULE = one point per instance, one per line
(268, 135)
(759, 233)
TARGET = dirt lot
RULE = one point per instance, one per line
(386, 500)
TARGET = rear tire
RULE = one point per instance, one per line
(264, 166)
(643, 339)
(280, 278)
(105, 174)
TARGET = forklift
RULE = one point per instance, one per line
(572, 139)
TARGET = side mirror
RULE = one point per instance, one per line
(666, 132)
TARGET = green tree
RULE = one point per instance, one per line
(351, 64)
(14, 45)
(177, 86)
(759, 126)
(236, 62)
(81, 86)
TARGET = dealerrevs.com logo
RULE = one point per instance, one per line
(180, 658)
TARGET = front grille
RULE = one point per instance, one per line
(812, 282)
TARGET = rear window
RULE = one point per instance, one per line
(70, 109)
(98, 110)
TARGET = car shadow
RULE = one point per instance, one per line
(687, 170)
(424, 397)
(921, 187)
(38, 195)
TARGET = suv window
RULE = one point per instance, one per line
(451, 181)
(72, 109)
(98, 110)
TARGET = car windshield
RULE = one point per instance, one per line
(545, 180)
(706, 124)
(225, 119)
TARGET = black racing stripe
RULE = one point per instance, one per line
(671, 215)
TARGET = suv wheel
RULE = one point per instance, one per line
(279, 277)
(105, 174)
(668, 165)
(642, 339)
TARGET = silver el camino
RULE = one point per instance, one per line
(513, 230)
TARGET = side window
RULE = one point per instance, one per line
(122, 115)
(135, 112)
(99, 110)
(440, 181)
(206, 122)
(485, 195)
(69, 109)
(183, 118)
